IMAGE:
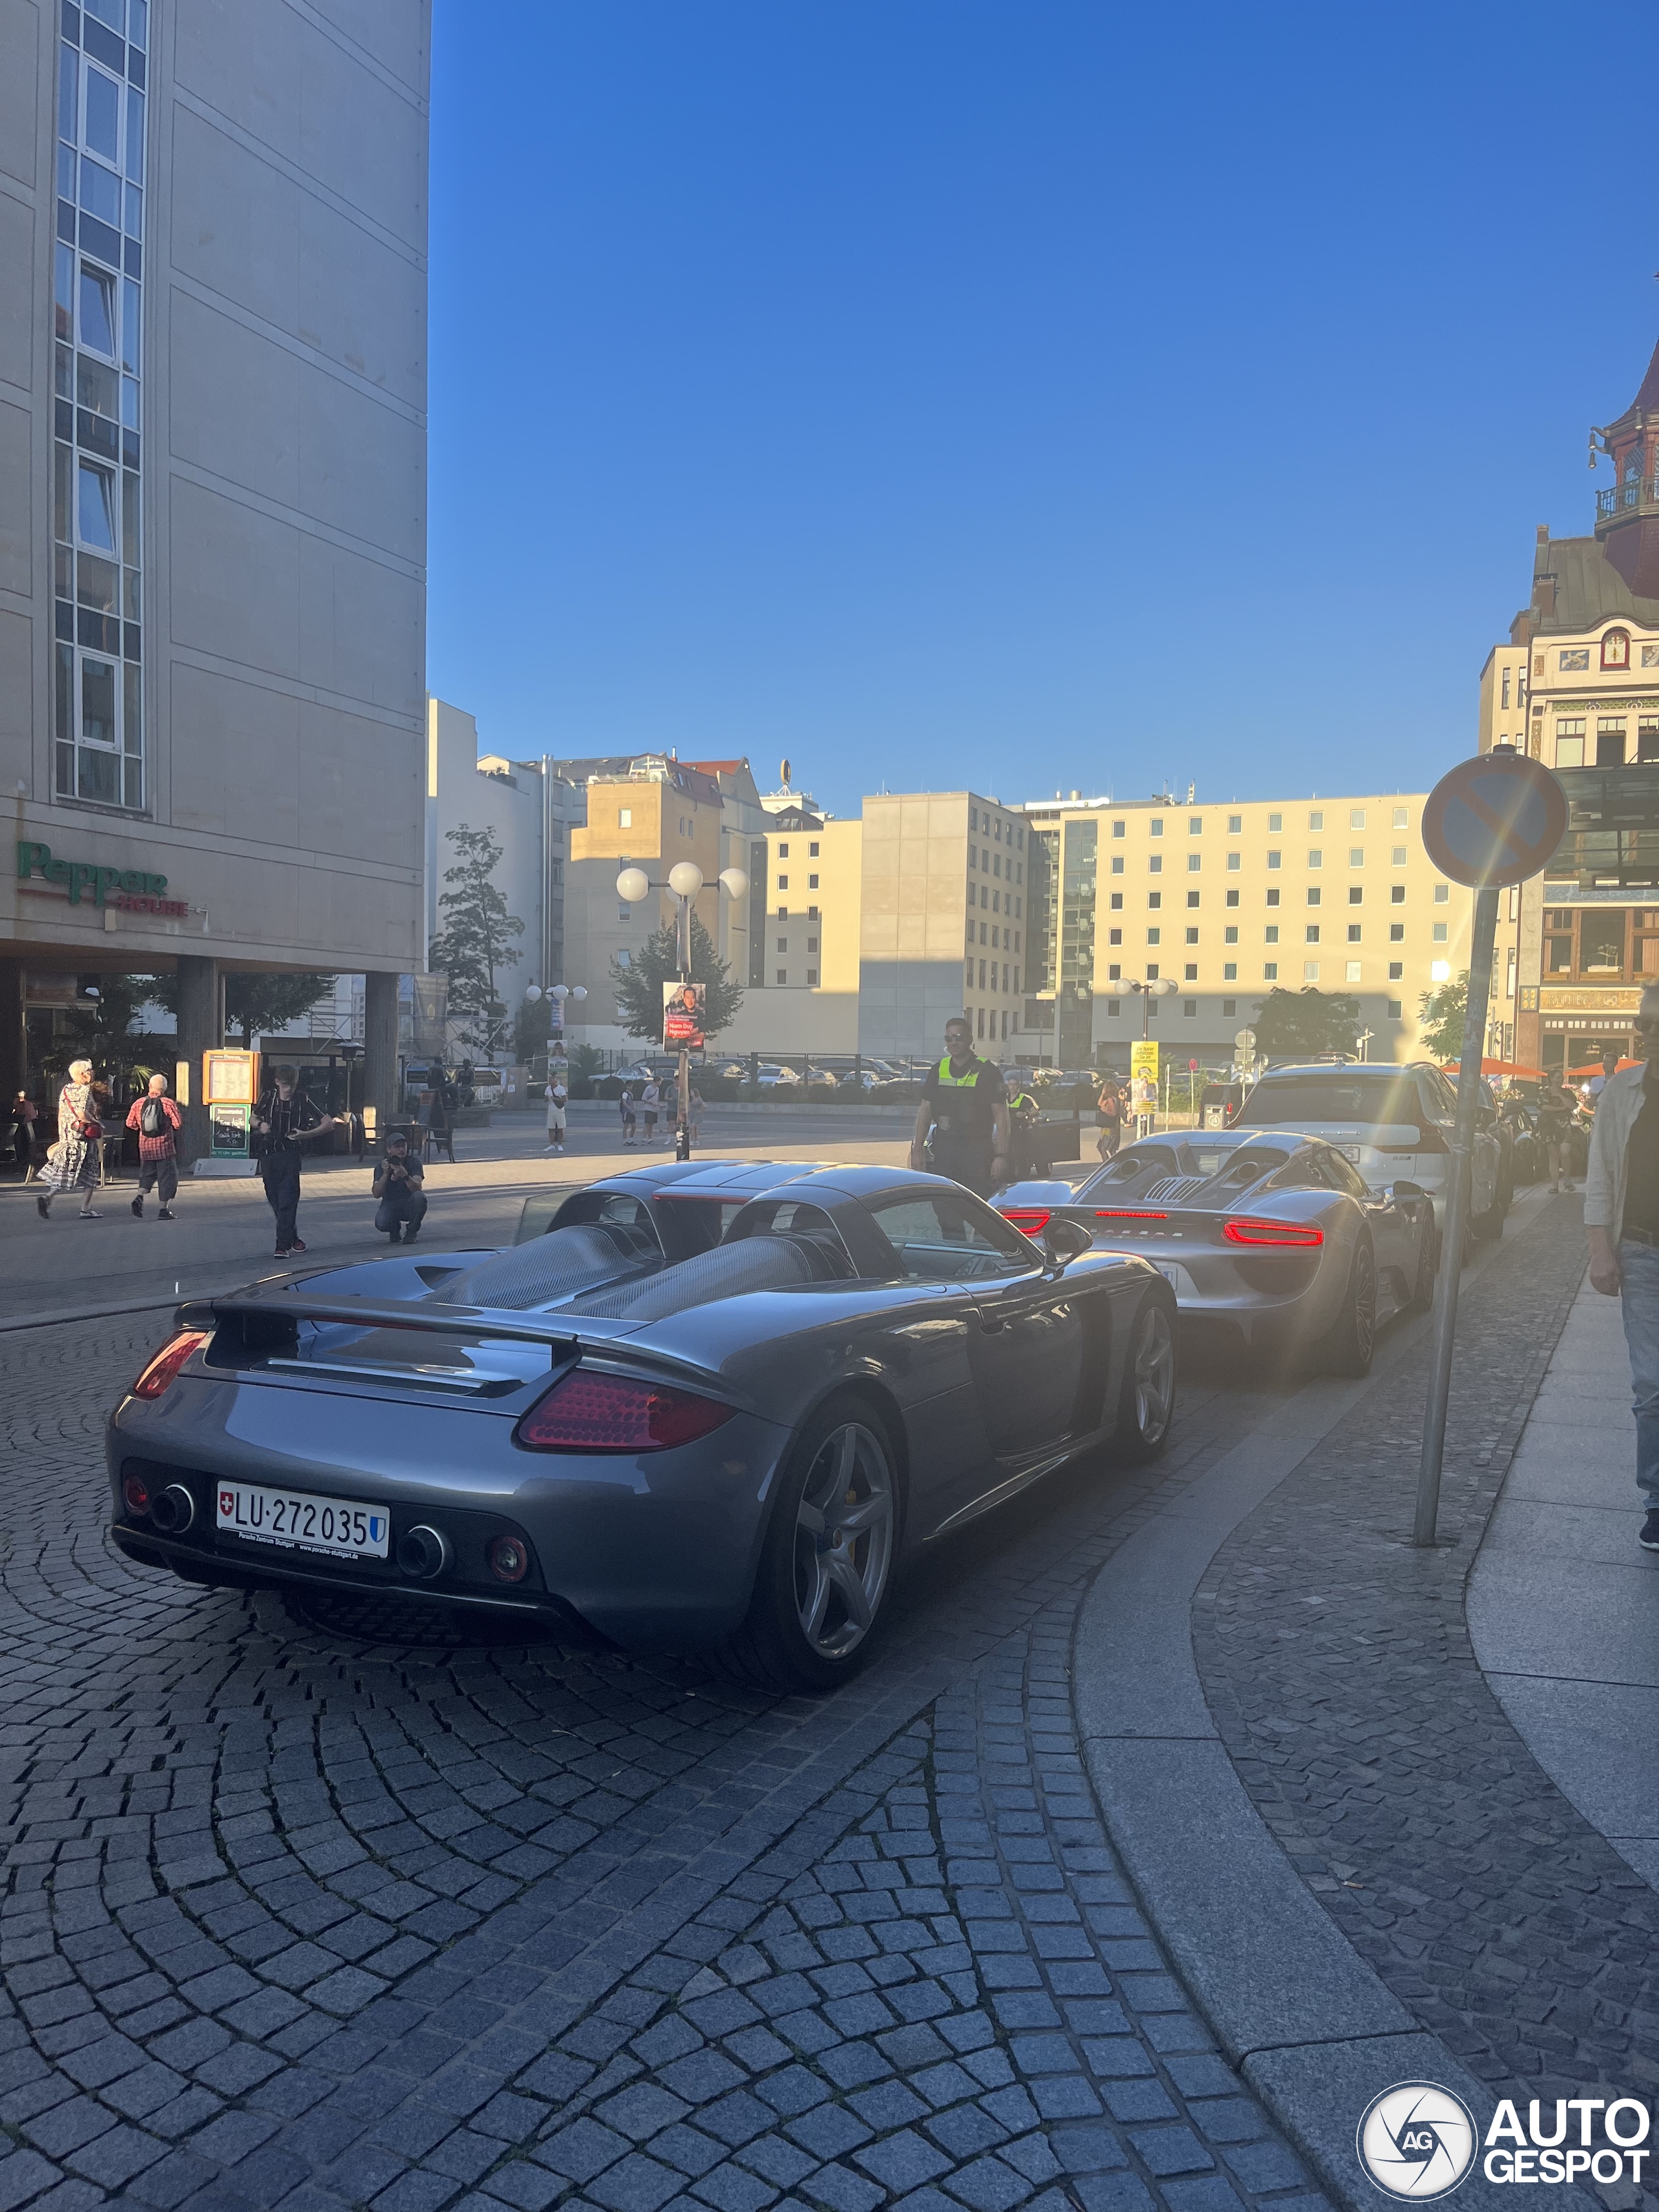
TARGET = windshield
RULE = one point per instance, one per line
(1346, 1095)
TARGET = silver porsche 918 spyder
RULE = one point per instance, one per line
(1273, 1234)
(710, 1406)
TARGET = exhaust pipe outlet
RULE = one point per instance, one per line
(424, 1554)
(174, 1511)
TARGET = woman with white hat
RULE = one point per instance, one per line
(72, 1162)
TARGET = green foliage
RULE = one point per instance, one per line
(255, 1004)
(1297, 1025)
(98, 1029)
(1443, 1014)
(638, 986)
(585, 1061)
(476, 939)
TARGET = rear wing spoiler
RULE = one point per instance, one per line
(437, 1319)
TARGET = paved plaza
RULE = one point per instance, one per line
(317, 1906)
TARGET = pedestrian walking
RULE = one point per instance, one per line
(158, 1123)
(965, 1105)
(400, 1186)
(1555, 1111)
(650, 1099)
(693, 1111)
(72, 1162)
(557, 1099)
(1621, 1220)
(24, 1114)
(1109, 1107)
(629, 1121)
(283, 1121)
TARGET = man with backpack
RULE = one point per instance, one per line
(157, 1121)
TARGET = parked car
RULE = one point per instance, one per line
(710, 1407)
(1388, 1121)
(1269, 1233)
(773, 1075)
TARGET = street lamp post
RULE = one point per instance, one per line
(1150, 988)
(685, 881)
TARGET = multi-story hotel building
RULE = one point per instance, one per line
(1577, 686)
(212, 499)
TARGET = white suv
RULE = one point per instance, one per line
(1393, 1123)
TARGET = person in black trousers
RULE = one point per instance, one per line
(399, 1185)
(283, 1120)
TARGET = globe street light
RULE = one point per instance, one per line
(685, 880)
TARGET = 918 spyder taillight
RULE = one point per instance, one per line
(1302, 1234)
(585, 1412)
(1031, 1220)
(168, 1362)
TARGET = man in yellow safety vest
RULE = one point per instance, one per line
(966, 1107)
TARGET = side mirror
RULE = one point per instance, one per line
(1403, 1189)
(1064, 1240)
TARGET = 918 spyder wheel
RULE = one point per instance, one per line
(1346, 1349)
(827, 1559)
(1145, 1407)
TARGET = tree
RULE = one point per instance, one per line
(478, 938)
(1443, 1014)
(98, 1029)
(1297, 1025)
(256, 1005)
(639, 984)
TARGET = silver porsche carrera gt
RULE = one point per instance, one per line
(711, 1406)
(1269, 1234)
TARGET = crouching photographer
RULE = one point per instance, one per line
(399, 1186)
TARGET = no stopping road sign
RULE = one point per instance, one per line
(1494, 820)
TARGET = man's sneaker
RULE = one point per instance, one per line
(409, 1236)
(1649, 1539)
(296, 1246)
(283, 1251)
(138, 1209)
(165, 1215)
(395, 1233)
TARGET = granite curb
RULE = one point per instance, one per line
(1312, 2027)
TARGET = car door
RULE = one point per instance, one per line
(1393, 1238)
(1025, 1337)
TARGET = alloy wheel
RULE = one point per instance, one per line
(1153, 1355)
(1364, 1303)
(843, 1539)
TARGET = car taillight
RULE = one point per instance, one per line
(509, 1561)
(1126, 1214)
(1032, 1219)
(168, 1362)
(590, 1412)
(1303, 1234)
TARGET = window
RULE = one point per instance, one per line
(1229, 934)
(1647, 738)
(1396, 932)
(811, 979)
(1315, 858)
(1115, 1005)
(1311, 932)
(1154, 900)
(1274, 860)
(624, 817)
(1154, 936)
(783, 882)
(1194, 862)
(1192, 898)
(783, 913)
(1356, 817)
(1353, 932)
(1401, 817)
(1157, 826)
(1275, 823)
(1396, 970)
(1270, 936)
(783, 975)
(1610, 741)
(812, 850)
(1439, 971)
(1112, 975)
(1573, 657)
(783, 849)
(1232, 898)
(1397, 895)
(1313, 896)
(1114, 937)
(1229, 974)
(1440, 933)
(1272, 898)
(783, 945)
(973, 819)
(1394, 1010)
(1615, 649)
(1235, 824)
(1316, 822)
(1311, 971)
(1397, 856)
(1355, 856)
(812, 883)
(1353, 971)
(1442, 894)
(1230, 1006)
(1117, 863)
(1356, 894)
(1155, 866)
(1234, 861)
(1569, 741)
(1117, 829)
(1117, 901)
(623, 959)
(1270, 971)
(1506, 691)
(1191, 937)
(1189, 1006)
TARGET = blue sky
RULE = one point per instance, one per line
(1032, 396)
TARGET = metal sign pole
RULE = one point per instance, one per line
(1457, 1214)
(682, 1106)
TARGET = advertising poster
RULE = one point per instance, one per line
(682, 1015)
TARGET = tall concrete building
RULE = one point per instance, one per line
(213, 229)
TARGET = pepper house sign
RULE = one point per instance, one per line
(131, 888)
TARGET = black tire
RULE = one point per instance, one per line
(1488, 1227)
(1347, 1348)
(1146, 1400)
(1428, 1267)
(844, 1461)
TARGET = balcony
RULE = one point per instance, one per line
(1631, 498)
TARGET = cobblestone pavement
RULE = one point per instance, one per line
(1337, 1661)
(295, 1917)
